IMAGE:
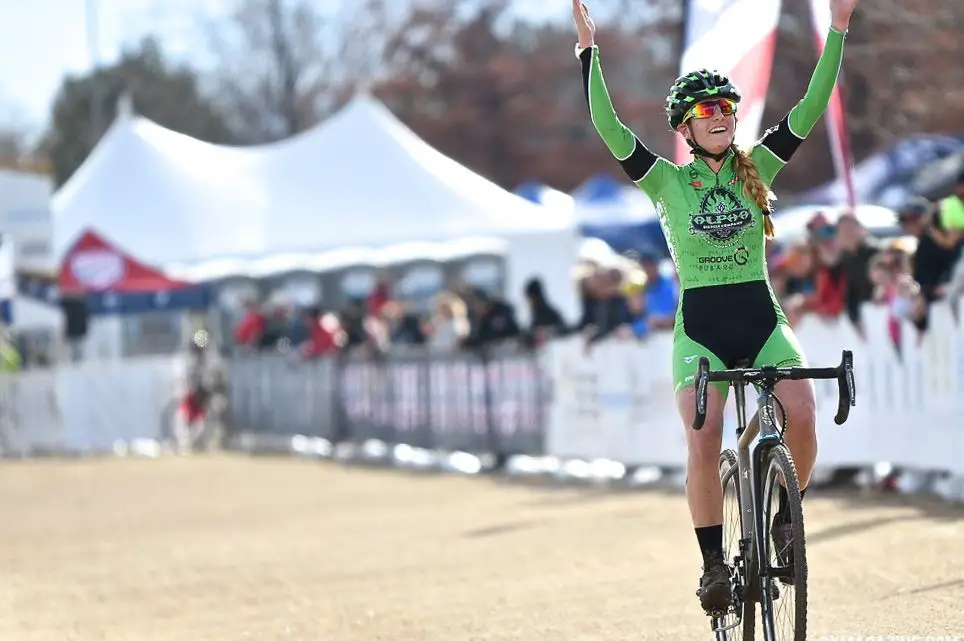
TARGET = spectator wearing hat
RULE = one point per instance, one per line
(951, 209)
(660, 293)
(857, 249)
(818, 226)
(830, 283)
(935, 254)
(952, 220)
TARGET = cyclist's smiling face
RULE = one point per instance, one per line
(713, 131)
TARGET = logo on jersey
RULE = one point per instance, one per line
(740, 257)
(722, 218)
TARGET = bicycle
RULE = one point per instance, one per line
(752, 473)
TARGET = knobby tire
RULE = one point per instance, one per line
(732, 531)
(780, 464)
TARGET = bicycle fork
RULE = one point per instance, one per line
(751, 460)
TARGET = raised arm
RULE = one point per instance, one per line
(641, 165)
(807, 112)
(781, 142)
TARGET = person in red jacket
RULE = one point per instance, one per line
(829, 297)
(249, 330)
(325, 335)
(380, 295)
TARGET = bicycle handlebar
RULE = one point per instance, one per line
(844, 373)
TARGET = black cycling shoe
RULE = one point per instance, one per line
(715, 591)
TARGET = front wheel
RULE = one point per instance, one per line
(740, 621)
(784, 569)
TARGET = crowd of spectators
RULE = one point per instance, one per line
(630, 299)
(461, 317)
(832, 272)
(838, 267)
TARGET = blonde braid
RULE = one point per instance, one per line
(749, 175)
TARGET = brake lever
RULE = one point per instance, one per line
(846, 388)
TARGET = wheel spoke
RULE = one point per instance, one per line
(741, 616)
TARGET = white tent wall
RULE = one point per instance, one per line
(25, 216)
(359, 180)
(547, 255)
(369, 180)
(162, 196)
(550, 256)
(32, 314)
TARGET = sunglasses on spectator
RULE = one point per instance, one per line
(825, 232)
(707, 109)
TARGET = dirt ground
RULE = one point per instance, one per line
(243, 548)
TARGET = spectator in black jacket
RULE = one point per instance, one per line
(545, 319)
(936, 252)
(494, 321)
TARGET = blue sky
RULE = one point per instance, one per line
(42, 40)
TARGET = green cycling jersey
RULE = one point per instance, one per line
(713, 230)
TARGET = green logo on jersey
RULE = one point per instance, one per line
(722, 218)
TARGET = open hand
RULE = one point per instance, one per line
(840, 11)
(584, 24)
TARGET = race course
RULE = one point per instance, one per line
(231, 547)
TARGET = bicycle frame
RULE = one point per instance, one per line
(752, 452)
(750, 456)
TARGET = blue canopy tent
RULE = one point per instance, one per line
(888, 177)
(619, 214)
(531, 190)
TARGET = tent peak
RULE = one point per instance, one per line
(125, 105)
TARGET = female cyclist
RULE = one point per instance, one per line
(715, 213)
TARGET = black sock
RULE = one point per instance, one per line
(711, 542)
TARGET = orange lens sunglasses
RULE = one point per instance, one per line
(707, 109)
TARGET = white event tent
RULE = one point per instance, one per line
(353, 185)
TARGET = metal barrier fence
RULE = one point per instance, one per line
(480, 403)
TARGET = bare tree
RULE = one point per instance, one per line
(505, 97)
(904, 62)
(269, 66)
(282, 65)
(12, 145)
(899, 78)
(166, 94)
(15, 138)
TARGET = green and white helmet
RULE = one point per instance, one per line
(694, 87)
